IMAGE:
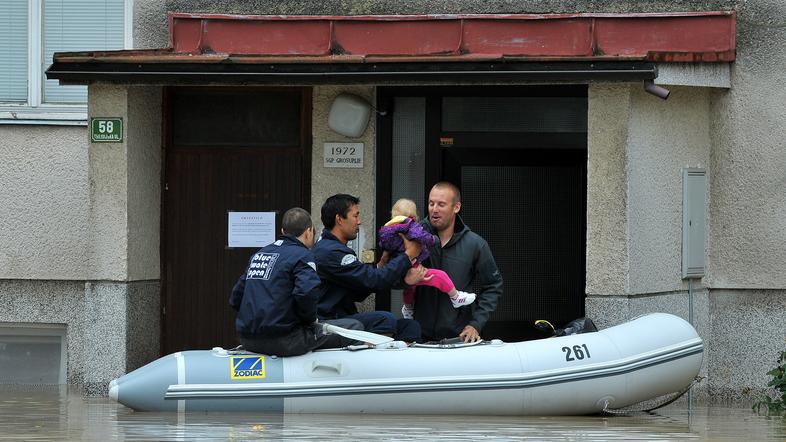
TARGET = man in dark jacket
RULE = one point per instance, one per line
(467, 259)
(276, 298)
(345, 280)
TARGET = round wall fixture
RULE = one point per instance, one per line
(349, 115)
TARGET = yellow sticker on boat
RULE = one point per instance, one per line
(246, 367)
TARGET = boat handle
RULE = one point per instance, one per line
(327, 366)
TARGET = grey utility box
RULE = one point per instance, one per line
(694, 222)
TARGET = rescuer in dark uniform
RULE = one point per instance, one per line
(346, 280)
(276, 298)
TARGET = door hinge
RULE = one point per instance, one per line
(166, 186)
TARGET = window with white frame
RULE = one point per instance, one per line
(31, 31)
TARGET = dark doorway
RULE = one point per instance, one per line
(519, 155)
(241, 149)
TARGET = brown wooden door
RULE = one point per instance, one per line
(226, 150)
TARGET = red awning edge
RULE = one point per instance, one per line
(662, 37)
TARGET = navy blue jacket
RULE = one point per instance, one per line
(346, 280)
(279, 290)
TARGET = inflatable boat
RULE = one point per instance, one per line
(648, 357)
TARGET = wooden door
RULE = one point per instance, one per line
(242, 149)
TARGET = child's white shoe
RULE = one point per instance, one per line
(408, 311)
(462, 299)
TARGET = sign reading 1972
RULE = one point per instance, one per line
(106, 130)
(349, 155)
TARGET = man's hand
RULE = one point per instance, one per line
(415, 275)
(411, 248)
(469, 334)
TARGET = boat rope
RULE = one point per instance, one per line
(450, 343)
(652, 404)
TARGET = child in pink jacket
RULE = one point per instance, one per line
(405, 222)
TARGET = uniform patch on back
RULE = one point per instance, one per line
(261, 265)
(348, 259)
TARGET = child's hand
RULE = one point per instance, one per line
(411, 248)
(383, 260)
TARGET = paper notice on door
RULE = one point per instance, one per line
(251, 229)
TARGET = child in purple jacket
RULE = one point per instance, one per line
(405, 221)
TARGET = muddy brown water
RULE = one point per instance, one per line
(61, 413)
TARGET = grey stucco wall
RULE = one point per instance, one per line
(746, 338)
(125, 185)
(105, 331)
(327, 181)
(607, 219)
(144, 182)
(43, 202)
(748, 186)
(663, 138)
(143, 314)
(108, 245)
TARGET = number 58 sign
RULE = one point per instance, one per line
(106, 130)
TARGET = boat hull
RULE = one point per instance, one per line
(580, 374)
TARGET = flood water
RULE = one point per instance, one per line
(61, 413)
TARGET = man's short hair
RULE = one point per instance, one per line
(338, 204)
(451, 186)
(295, 221)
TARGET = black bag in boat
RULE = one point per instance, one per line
(574, 327)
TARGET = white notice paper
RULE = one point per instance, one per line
(251, 229)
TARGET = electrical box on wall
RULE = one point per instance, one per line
(694, 222)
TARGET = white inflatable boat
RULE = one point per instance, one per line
(650, 356)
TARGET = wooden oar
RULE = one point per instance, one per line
(358, 335)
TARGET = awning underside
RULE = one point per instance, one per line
(342, 73)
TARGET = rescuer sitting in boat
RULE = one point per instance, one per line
(346, 280)
(276, 298)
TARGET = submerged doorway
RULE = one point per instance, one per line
(226, 149)
(519, 156)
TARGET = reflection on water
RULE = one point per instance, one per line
(57, 413)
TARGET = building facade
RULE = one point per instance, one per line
(575, 175)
